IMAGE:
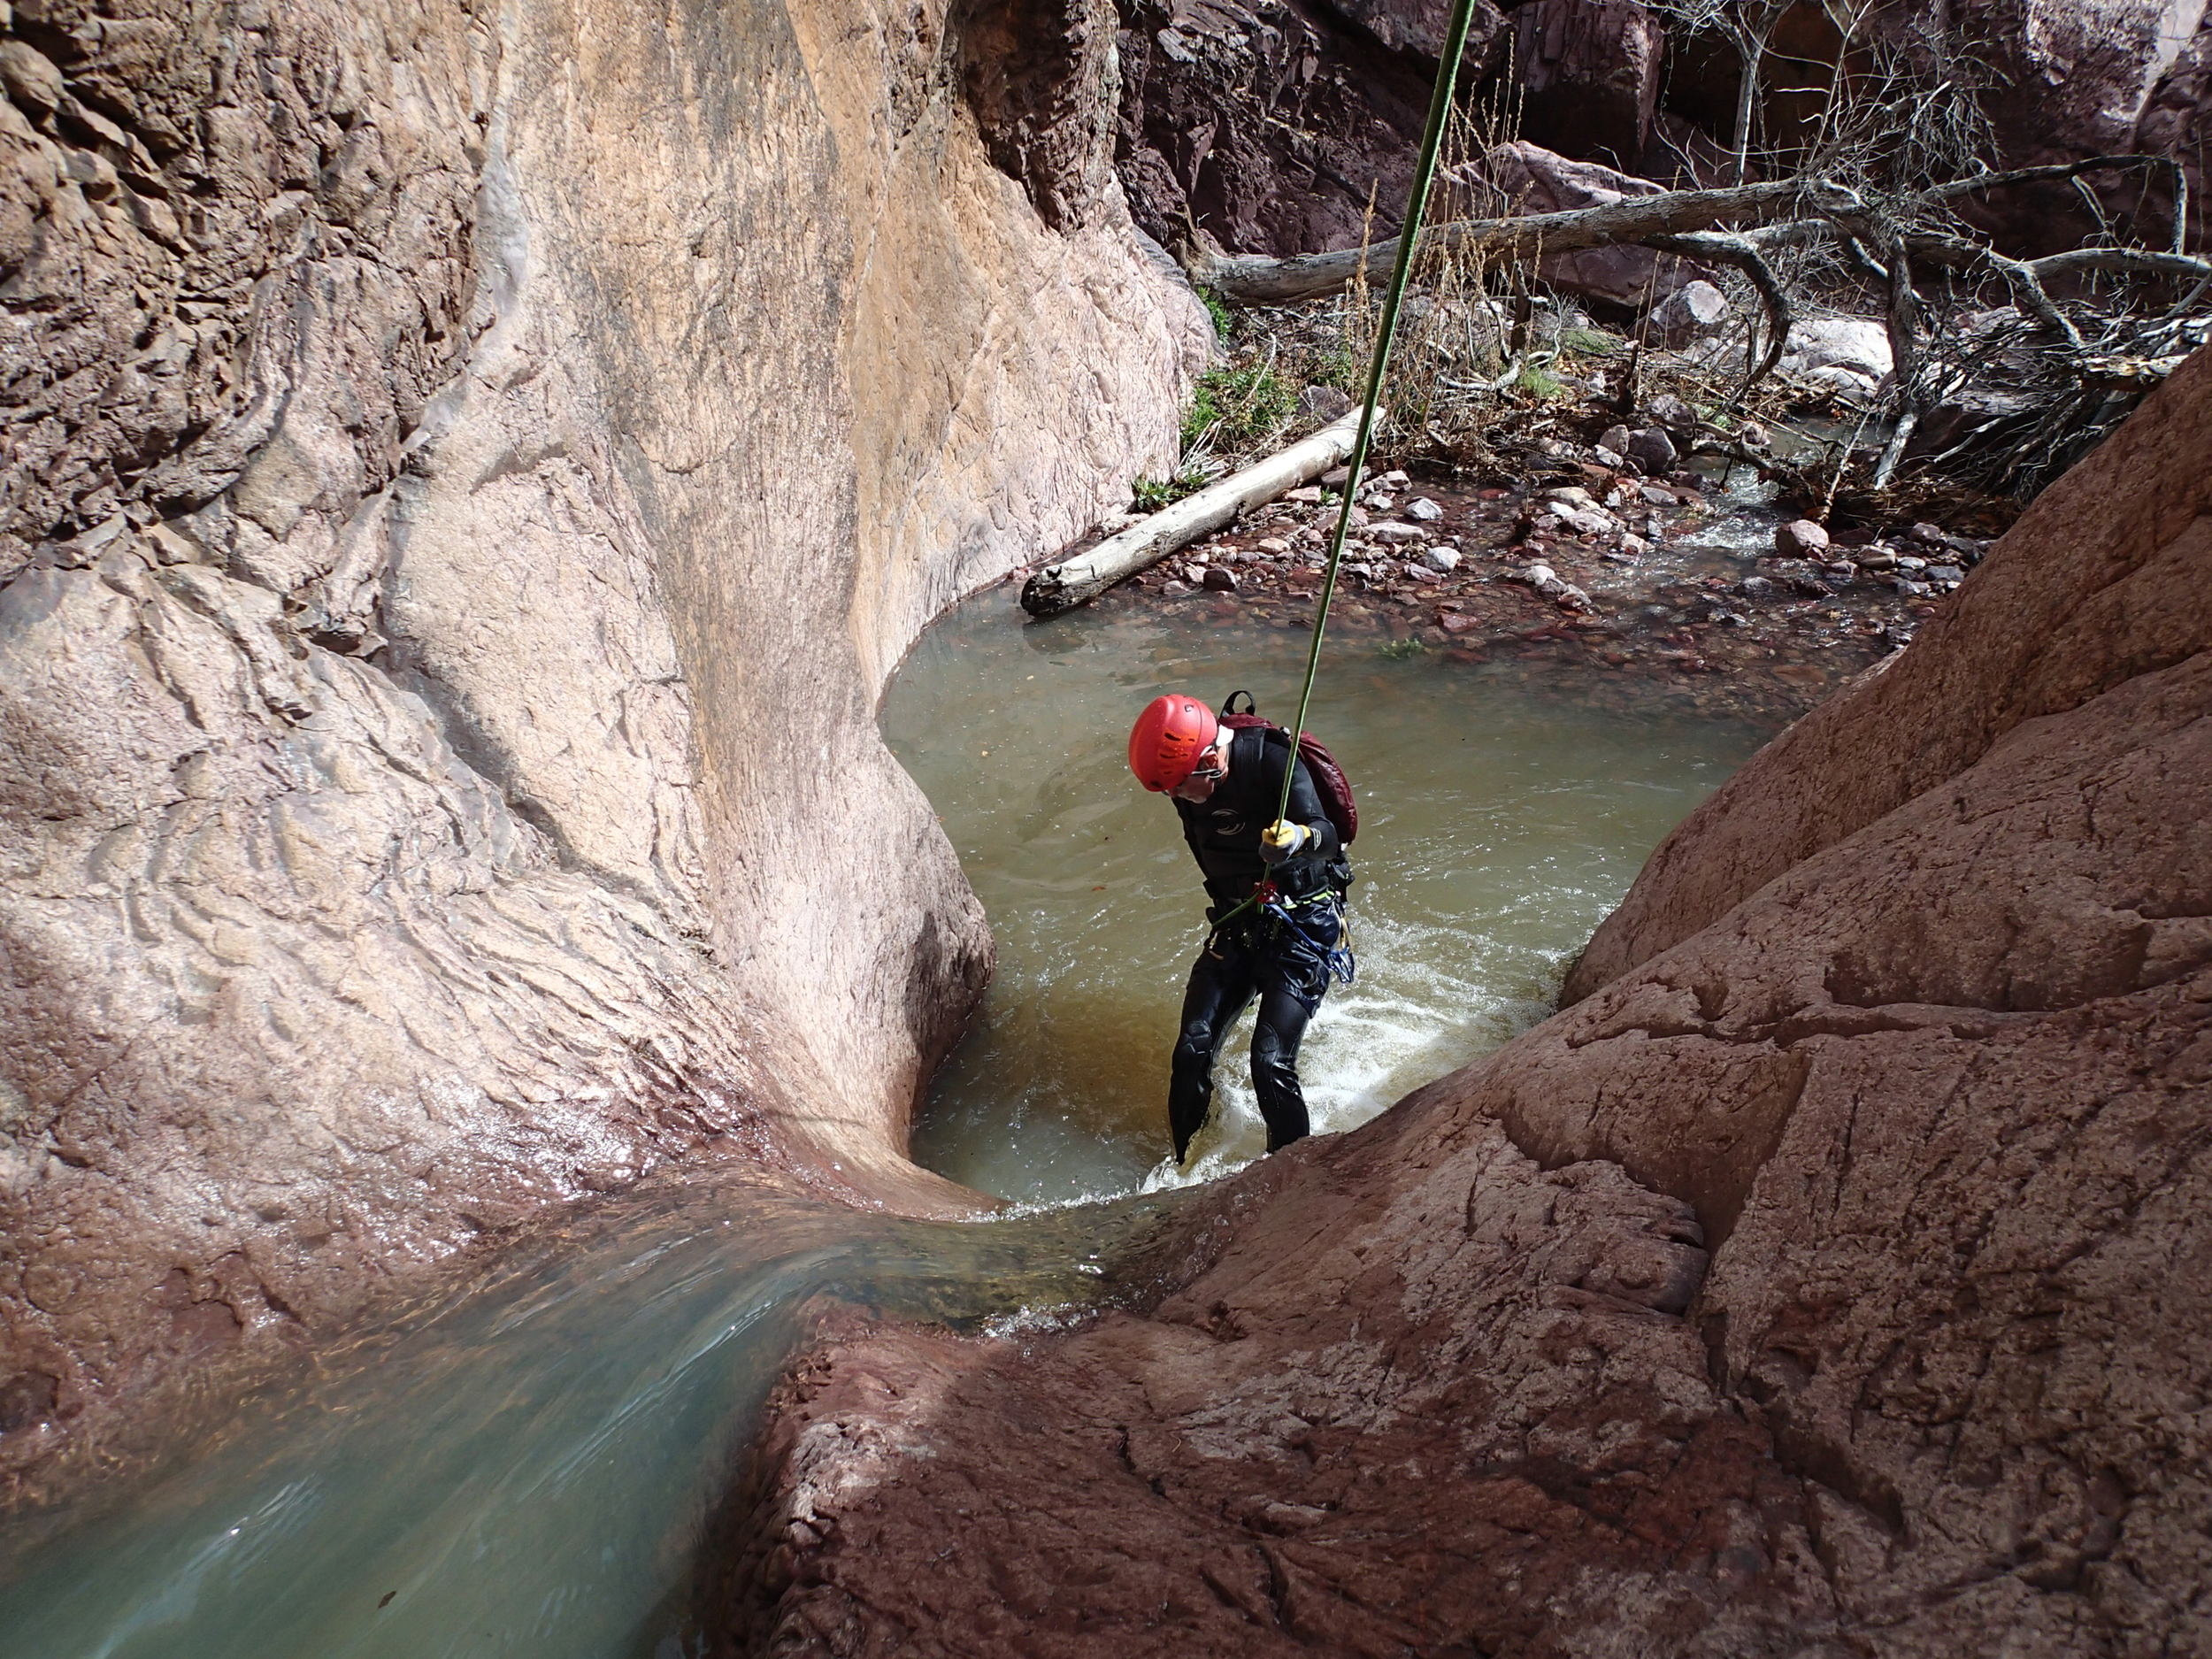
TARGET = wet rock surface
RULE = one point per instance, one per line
(469, 477)
(1833, 1281)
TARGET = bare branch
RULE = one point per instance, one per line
(1723, 248)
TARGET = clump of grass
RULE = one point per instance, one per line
(1590, 342)
(1400, 650)
(1238, 406)
(1540, 382)
(1149, 494)
(1218, 310)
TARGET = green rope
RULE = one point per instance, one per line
(1408, 235)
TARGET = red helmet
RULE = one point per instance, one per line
(1167, 740)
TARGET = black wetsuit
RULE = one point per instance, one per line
(1256, 955)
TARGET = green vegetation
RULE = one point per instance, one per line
(1149, 494)
(1540, 382)
(1400, 650)
(1341, 367)
(1217, 309)
(1238, 406)
(1591, 343)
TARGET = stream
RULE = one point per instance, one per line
(528, 1461)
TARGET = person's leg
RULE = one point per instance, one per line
(1291, 981)
(1220, 986)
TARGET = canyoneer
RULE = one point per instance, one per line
(1277, 887)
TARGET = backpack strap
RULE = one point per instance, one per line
(1229, 707)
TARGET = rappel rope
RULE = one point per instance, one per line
(1409, 235)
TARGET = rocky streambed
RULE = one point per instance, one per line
(1692, 586)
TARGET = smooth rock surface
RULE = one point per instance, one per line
(1835, 1282)
(471, 473)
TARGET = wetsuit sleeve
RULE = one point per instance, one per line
(1305, 805)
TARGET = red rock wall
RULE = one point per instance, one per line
(1834, 1281)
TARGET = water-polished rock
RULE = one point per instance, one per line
(468, 482)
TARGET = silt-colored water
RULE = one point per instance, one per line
(1501, 816)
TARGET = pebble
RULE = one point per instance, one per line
(1397, 534)
(1396, 478)
(1573, 494)
(1424, 510)
(1309, 493)
(1950, 573)
(1605, 456)
(1755, 587)
(1615, 439)
(1274, 544)
(1440, 558)
(1634, 546)
(1907, 562)
(1220, 578)
(1670, 410)
(1655, 497)
(1175, 589)
(1799, 538)
(1422, 573)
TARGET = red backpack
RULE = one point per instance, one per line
(1328, 777)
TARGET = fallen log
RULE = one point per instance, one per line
(1256, 279)
(1063, 587)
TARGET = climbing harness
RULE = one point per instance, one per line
(1337, 958)
(1408, 236)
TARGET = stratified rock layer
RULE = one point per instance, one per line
(1937, 1098)
(469, 472)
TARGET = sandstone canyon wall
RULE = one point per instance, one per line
(1832, 1278)
(469, 470)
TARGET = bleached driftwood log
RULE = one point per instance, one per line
(1062, 586)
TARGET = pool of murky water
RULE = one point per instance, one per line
(1503, 812)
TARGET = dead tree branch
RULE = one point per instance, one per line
(1741, 251)
(1256, 279)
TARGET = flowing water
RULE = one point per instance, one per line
(530, 1463)
(1501, 816)
(529, 1468)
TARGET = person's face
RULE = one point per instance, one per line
(1212, 766)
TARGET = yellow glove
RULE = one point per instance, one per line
(1282, 839)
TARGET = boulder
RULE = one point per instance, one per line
(1851, 354)
(1524, 177)
(1832, 1278)
(1652, 449)
(1799, 539)
(1691, 312)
